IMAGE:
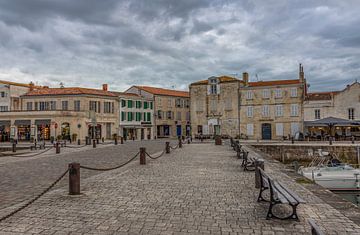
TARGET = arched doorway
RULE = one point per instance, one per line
(266, 131)
(65, 131)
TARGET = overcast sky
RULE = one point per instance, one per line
(173, 43)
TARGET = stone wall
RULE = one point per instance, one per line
(290, 153)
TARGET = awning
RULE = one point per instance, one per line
(332, 121)
(5, 123)
(43, 122)
(22, 122)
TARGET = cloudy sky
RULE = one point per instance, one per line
(171, 43)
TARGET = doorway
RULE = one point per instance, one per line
(266, 131)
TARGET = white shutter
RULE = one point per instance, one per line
(218, 89)
(294, 128)
(250, 129)
(208, 89)
(279, 129)
(205, 129)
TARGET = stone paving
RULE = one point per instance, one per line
(24, 177)
(200, 189)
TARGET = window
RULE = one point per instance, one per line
(107, 107)
(213, 105)
(4, 108)
(148, 117)
(187, 103)
(279, 129)
(250, 129)
(293, 92)
(317, 113)
(130, 116)
(199, 107)
(169, 103)
(94, 106)
(3, 94)
(151, 105)
(146, 105)
(138, 116)
(159, 114)
(266, 94)
(265, 111)
(138, 104)
(278, 93)
(77, 105)
(65, 105)
(294, 128)
(178, 103)
(279, 110)
(351, 113)
(187, 116)
(36, 106)
(169, 115)
(213, 89)
(123, 116)
(294, 110)
(43, 106)
(178, 116)
(53, 105)
(123, 103)
(29, 106)
(130, 103)
(249, 95)
(250, 111)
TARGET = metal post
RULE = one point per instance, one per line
(259, 163)
(57, 146)
(13, 147)
(94, 143)
(122, 140)
(116, 140)
(167, 147)
(74, 178)
(97, 141)
(142, 156)
(78, 141)
(292, 139)
(103, 139)
(180, 143)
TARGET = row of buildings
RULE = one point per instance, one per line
(223, 105)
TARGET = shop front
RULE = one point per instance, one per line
(5, 130)
(23, 129)
(94, 131)
(43, 129)
(65, 131)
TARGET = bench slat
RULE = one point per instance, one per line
(292, 193)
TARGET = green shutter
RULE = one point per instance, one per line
(130, 104)
(145, 105)
(123, 116)
(151, 105)
(123, 103)
(149, 117)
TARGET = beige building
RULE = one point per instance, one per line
(255, 110)
(171, 110)
(67, 112)
(136, 117)
(344, 104)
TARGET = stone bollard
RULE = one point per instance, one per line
(103, 139)
(78, 141)
(188, 141)
(180, 143)
(94, 143)
(142, 156)
(133, 138)
(74, 178)
(97, 141)
(57, 146)
(116, 141)
(259, 163)
(292, 140)
(167, 147)
(14, 147)
(218, 140)
(330, 141)
(122, 140)
(352, 139)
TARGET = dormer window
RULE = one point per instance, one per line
(213, 88)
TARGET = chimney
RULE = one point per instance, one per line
(105, 87)
(301, 73)
(31, 86)
(246, 78)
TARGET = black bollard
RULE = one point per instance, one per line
(180, 143)
(103, 139)
(74, 178)
(122, 140)
(14, 147)
(142, 156)
(78, 141)
(167, 147)
(330, 141)
(116, 141)
(94, 143)
(188, 141)
(259, 163)
(97, 141)
(57, 147)
(292, 140)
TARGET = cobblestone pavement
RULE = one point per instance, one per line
(24, 177)
(200, 189)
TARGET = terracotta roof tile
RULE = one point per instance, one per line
(222, 79)
(69, 91)
(165, 92)
(274, 83)
(119, 93)
(327, 95)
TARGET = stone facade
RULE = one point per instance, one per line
(254, 110)
(171, 110)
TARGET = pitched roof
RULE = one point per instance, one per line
(17, 84)
(119, 93)
(163, 91)
(321, 95)
(69, 91)
(275, 82)
(221, 78)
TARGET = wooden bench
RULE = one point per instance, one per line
(248, 162)
(315, 230)
(279, 194)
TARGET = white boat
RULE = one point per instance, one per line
(330, 173)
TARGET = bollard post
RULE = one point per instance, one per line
(167, 147)
(201, 138)
(292, 140)
(74, 178)
(78, 141)
(133, 138)
(180, 143)
(94, 143)
(142, 156)
(188, 141)
(97, 141)
(103, 139)
(122, 140)
(116, 141)
(330, 140)
(14, 147)
(259, 163)
(57, 148)
(183, 137)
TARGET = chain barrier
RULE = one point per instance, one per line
(177, 146)
(152, 157)
(35, 198)
(33, 155)
(111, 168)
(107, 143)
(76, 147)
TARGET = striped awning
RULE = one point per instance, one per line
(5, 123)
(22, 122)
(43, 122)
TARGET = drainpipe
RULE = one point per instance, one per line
(239, 103)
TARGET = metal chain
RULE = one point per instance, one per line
(36, 154)
(35, 198)
(174, 147)
(76, 147)
(109, 169)
(161, 154)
